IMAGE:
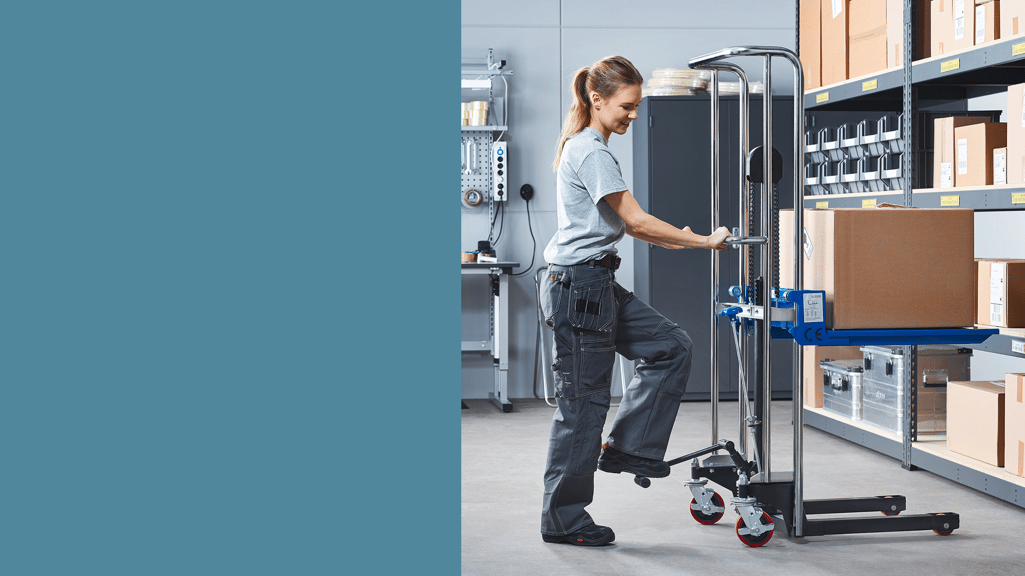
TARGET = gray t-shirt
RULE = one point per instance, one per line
(588, 227)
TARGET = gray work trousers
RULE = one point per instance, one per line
(593, 318)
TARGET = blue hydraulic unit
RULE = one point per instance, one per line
(762, 496)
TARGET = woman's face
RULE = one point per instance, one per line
(616, 113)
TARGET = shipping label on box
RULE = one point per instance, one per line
(1000, 166)
(987, 17)
(1014, 424)
(963, 24)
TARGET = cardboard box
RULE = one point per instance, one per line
(813, 355)
(943, 147)
(923, 41)
(811, 42)
(866, 52)
(974, 147)
(834, 41)
(975, 420)
(1000, 165)
(894, 32)
(964, 24)
(887, 268)
(1014, 424)
(1012, 18)
(987, 21)
(941, 27)
(1015, 134)
(1001, 293)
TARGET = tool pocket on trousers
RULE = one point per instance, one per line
(595, 368)
(592, 306)
(552, 295)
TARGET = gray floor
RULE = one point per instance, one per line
(503, 456)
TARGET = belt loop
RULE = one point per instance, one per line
(590, 263)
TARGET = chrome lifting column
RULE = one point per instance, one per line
(716, 61)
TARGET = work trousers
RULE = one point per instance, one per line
(593, 318)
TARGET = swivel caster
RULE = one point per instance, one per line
(750, 539)
(642, 481)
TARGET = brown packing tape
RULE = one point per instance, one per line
(873, 33)
(1020, 382)
(1014, 25)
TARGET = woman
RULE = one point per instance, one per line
(593, 317)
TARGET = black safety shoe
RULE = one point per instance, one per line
(614, 462)
(590, 535)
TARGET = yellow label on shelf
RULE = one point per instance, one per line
(821, 205)
(950, 65)
(823, 97)
(1018, 198)
(1018, 49)
(868, 203)
(950, 200)
(870, 85)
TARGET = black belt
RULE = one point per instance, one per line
(610, 261)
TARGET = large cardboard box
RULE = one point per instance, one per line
(866, 37)
(1012, 18)
(1000, 165)
(987, 21)
(811, 43)
(813, 355)
(964, 24)
(1014, 424)
(1001, 293)
(834, 41)
(975, 420)
(1015, 134)
(885, 267)
(974, 145)
(943, 147)
(941, 27)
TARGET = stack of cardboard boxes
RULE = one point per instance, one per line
(972, 151)
(986, 421)
(845, 39)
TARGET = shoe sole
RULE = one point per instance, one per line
(617, 468)
(567, 539)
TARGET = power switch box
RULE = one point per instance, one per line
(500, 170)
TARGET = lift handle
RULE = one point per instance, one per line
(734, 241)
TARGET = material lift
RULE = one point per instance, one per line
(761, 495)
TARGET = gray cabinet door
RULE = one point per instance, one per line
(672, 180)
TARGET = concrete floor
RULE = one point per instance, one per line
(503, 457)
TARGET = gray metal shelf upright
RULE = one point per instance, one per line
(1000, 63)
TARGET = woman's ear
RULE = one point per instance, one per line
(595, 100)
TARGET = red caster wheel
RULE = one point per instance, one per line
(752, 540)
(707, 519)
(943, 532)
(885, 513)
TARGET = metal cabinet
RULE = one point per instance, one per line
(672, 181)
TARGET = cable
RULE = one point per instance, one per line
(533, 251)
(501, 225)
(491, 232)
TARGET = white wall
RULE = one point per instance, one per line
(544, 42)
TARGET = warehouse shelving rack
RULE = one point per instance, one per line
(996, 64)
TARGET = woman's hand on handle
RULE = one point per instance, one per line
(716, 239)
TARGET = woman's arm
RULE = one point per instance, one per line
(644, 226)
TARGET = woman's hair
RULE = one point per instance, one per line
(605, 77)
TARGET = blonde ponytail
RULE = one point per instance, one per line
(605, 78)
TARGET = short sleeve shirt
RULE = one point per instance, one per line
(588, 227)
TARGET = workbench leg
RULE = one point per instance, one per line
(500, 349)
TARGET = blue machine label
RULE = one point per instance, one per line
(814, 308)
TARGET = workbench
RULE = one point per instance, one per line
(498, 343)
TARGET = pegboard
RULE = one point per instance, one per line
(480, 154)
